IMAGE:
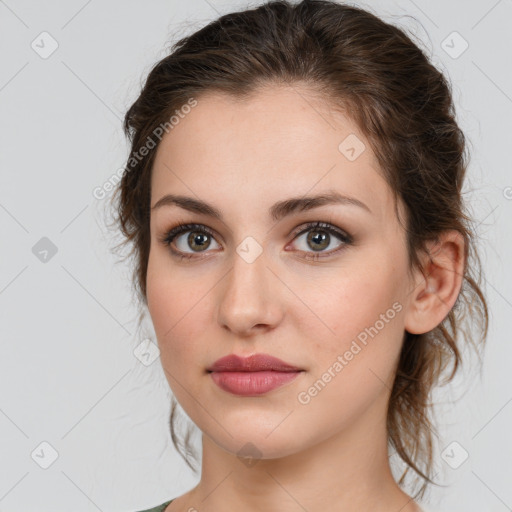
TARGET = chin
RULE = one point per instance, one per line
(253, 443)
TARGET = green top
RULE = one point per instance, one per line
(160, 508)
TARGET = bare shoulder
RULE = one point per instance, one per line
(183, 502)
(426, 508)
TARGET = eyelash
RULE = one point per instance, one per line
(181, 228)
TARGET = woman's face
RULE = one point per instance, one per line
(250, 286)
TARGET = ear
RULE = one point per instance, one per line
(438, 286)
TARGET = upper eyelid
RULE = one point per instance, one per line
(299, 230)
(328, 226)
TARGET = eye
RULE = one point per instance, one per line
(200, 237)
(319, 237)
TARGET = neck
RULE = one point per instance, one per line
(348, 471)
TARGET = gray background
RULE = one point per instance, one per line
(69, 377)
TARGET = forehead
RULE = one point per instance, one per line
(279, 142)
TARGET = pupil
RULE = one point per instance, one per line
(201, 237)
(319, 238)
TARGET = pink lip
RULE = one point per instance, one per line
(254, 363)
(253, 375)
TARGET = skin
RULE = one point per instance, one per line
(242, 157)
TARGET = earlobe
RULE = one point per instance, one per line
(438, 286)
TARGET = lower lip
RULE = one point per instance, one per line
(252, 383)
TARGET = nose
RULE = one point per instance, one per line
(249, 297)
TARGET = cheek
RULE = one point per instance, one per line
(363, 313)
(177, 310)
(178, 318)
(352, 367)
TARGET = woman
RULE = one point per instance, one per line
(293, 203)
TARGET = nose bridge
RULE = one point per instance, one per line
(248, 297)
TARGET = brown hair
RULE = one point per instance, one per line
(404, 107)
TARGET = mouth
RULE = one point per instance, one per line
(252, 376)
(252, 383)
(253, 363)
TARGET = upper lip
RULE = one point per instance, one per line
(253, 363)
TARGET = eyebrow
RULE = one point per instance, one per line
(277, 211)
